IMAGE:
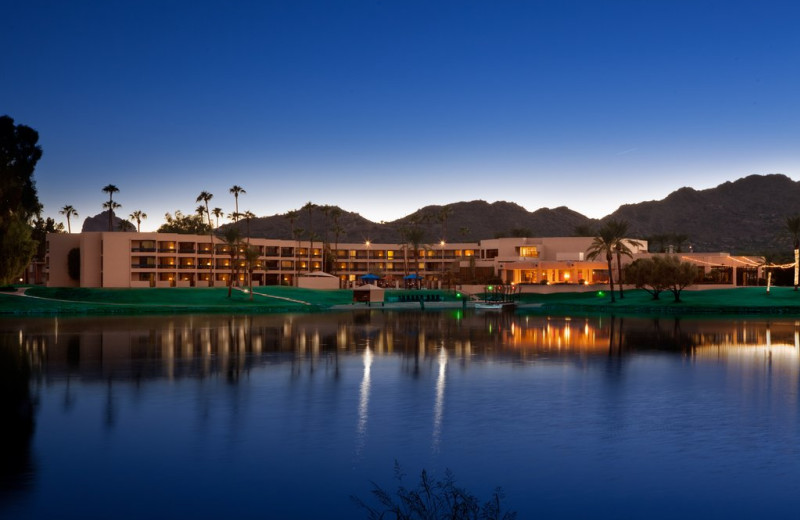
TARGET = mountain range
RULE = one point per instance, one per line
(743, 216)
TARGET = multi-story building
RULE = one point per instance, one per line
(117, 259)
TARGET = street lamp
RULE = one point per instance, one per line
(442, 279)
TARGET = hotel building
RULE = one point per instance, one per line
(127, 259)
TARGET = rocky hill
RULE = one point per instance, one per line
(744, 216)
(99, 222)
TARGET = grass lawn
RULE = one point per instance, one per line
(277, 299)
(52, 300)
(740, 300)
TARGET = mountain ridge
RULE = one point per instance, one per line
(746, 215)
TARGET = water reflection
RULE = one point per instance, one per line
(17, 415)
(111, 349)
(334, 367)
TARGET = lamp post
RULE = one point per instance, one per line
(442, 277)
(368, 243)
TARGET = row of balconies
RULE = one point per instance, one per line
(276, 266)
(288, 252)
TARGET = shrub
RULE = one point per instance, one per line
(433, 499)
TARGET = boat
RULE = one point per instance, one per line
(494, 306)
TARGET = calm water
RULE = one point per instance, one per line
(288, 416)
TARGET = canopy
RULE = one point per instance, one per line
(412, 276)
(370, 276)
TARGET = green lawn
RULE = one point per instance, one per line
(46, 300)
(741, 300)
(276, 299)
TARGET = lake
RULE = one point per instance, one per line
(289, 416)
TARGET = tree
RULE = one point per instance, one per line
(137, 216)
(309, 206)
(204, 197)
(19, 153)
(68, 211)
(414, 235)
(662, 273)
(217, 212)
(442, 216)
(236, 190)
(605, 244)
(291, 216)
(17, 248)
(251, 257)
(648, 274)
(679, 275)
(232, 237)
(184, 224)
(433, 499)
(248, 216)
(41, 227)
(19, 203)
(793, 227)
(621, 246)
(111, 205)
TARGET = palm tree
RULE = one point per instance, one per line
(793, 227)
(138, 216)
(205, 197)
(236, 190)
(442, 217)
(110, 205)
(337, 233)
(217, 212)
(248, 216)
(605, 244)
(309, 206)
(621, 246)
(232, 237)
(111, 190)
(251, 256)
(68, 211)
(413, 236)
(291, 216)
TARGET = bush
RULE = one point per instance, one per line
(433, 499)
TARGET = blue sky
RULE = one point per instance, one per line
(385, 107)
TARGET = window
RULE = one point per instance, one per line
(529, 252)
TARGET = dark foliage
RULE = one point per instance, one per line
(433, 499)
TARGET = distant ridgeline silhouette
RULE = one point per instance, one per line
(100, 223)
(744, 216)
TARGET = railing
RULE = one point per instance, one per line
(143, 250)
(143, 266)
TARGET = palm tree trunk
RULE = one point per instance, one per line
(619, 272)
(796, 266)
(610, 276)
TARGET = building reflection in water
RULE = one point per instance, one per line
(438, 408)
(114, 349)
(363, 400)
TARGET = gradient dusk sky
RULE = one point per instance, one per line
(383, 107)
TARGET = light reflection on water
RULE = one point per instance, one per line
(287, 416)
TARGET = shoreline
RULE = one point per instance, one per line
(36, 301)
